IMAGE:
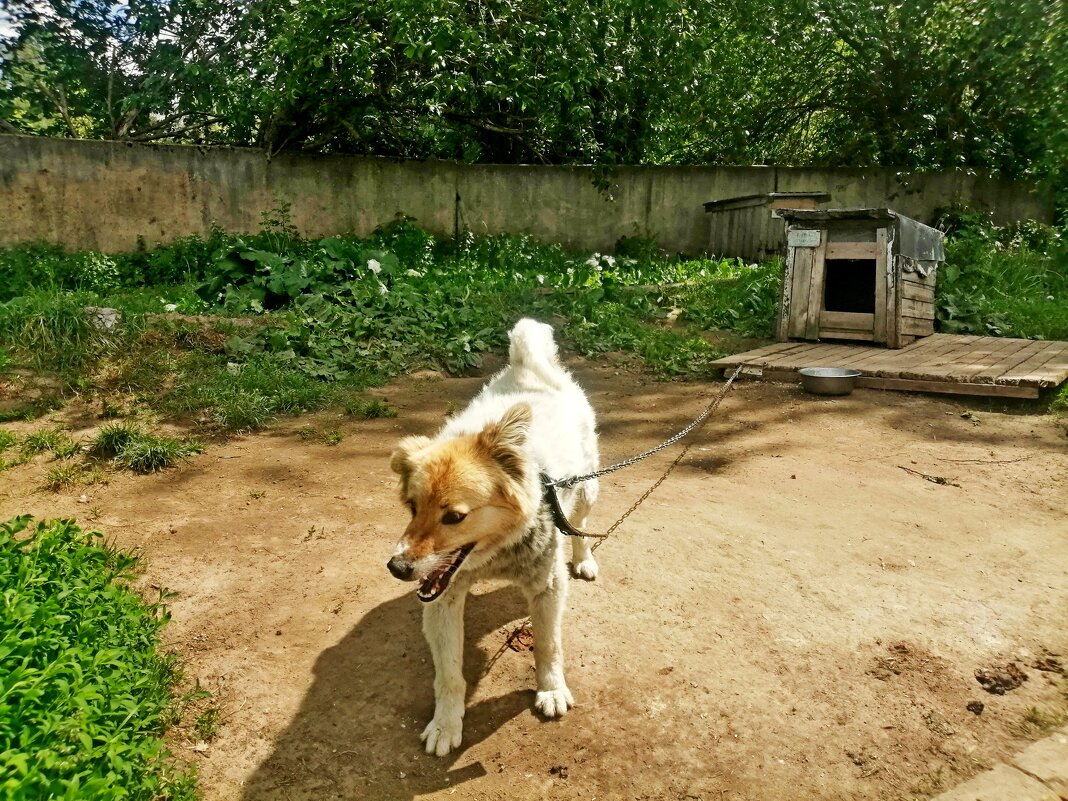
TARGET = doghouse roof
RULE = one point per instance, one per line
(912, 238)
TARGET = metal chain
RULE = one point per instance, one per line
(570, 482)
(700, 419)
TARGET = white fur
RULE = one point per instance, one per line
(562, 441)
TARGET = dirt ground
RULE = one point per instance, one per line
(790, 616)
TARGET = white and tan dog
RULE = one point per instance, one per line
(477, 512)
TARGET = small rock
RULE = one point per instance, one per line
(975, 707)
(559, 770)
(83, 499)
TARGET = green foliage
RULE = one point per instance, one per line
(59, 478)
(1009, 281)
(920, 84)
(83, 683)
(7, 439)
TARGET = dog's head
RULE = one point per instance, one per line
(466, 495)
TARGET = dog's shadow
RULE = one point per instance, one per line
(356, 734)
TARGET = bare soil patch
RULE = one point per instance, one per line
(791, 615)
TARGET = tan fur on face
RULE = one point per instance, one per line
(480, 476)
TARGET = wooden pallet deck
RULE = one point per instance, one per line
(960, 365)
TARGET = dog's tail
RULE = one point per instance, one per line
(533, 348)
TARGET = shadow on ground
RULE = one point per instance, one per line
(347, 740)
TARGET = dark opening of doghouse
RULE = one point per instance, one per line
(849, 286)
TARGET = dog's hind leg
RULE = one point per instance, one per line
(443, 625)
(553, 698)
(583, 565)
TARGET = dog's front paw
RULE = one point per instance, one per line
(554, 703)
(441, 736)
(586, 569)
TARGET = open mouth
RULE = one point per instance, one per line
(438, 580)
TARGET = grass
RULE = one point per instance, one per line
(42, 441)
(86, 687)
(368, 409)
(7, 439)
(130, 447)
(60, 478)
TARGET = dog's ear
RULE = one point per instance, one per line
(401, 460)
(504, 440)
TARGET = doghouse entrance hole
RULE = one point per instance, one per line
(849, 286)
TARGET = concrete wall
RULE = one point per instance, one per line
(112, 196)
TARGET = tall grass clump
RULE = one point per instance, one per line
(133, 448)
(50, 330)
(1004, 281)
(84, 686)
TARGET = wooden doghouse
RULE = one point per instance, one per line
(858, 274)
(744, 227)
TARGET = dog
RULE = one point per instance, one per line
(476, 500)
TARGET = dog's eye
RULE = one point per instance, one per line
(451, 517)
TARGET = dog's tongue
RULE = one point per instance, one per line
(437, 582)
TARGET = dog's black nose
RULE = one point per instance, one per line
(400, 568)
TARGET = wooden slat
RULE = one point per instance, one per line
(749, 357)
(815, 290)
(916, 308)
(884, 326)
(1047, 368)
(916, 327)
(852, 250)
(913, 291)
(848, 321)
(1009, 360)
(859, 336)
(925, 351)
(816, 356)
(802, 280)
(936, 365)
(947, 387)
(979, 357)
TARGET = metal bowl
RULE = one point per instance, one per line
(828, 380)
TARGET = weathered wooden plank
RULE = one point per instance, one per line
(760, 353)
(947, 387)
(848, 321)
(973, 360)
(1047, 368)
(943, 348)
(938, 365)
(910, 290)
(1010, 359)
(845, 333)
(815, 290)
(884, 326)
(911, 307)
(852, 250)
(799, 303)
(816, 356)
(916, 327)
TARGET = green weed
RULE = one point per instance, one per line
(369, 409)
(113, 438)
(7, 439)
(41, 441)
(60, 478)
(133, 448)
(85, 683)
(149, 453)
